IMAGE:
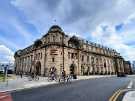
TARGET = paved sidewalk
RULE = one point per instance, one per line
(129, 96)
(23, 83)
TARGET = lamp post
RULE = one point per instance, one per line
(5, 74)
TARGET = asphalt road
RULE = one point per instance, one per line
(100, 89)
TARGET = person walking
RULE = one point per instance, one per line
(63, 75)
(21, 74)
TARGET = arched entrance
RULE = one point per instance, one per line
(73, 70)
(38, 68)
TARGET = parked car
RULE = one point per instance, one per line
(10, 71)
(121, 75)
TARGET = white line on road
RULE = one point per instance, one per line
(130, 85)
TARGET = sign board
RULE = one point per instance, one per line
(53, 52)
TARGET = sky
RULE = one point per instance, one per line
(107, 22)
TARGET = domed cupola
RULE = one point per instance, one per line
(55, 28)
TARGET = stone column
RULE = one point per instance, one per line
(92, 65)
(26, 64)
(112, 66)
(99, 65)
(109, 66)
(118, 65)
(20, 68)
(122, 65)
(24, 68)
(23, 61)
(95, 64)
(28, 68)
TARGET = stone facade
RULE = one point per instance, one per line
(56, 49)
(128, 68)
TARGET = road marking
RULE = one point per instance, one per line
(130, 85)
(113, 96)
(118, 94)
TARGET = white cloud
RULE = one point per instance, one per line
(89, 16)
(6, 54)
(111, 38)
(80, 14)
(35, 12)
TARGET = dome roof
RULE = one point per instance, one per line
(55, 28)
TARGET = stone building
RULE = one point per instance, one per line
(128, 67)
(56, 49)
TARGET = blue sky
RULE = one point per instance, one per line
(108, 22)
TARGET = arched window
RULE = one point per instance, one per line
(104, 64)
(60, 39)
(82, 58)
(53, 38)
(87, 58)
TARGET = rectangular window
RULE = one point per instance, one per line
(72, 55)
(38, 56)
(48, 39)
(41, 55)
(52, 59)
(76, 55)
(87, 58)
(82, 58)
(53, 38)
(69, 55)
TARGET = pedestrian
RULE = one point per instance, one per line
(21, 74)
(63, 75)
(32, 75)
(36, 76)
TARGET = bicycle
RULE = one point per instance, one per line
(52, 77)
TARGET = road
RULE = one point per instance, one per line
(100, 89)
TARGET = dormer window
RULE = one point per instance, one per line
(60, 39)
(48, 39)
(53, 38)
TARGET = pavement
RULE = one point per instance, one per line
(22, 83)
(130, 96)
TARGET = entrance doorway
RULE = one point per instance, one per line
(73, 69)
(38, 68)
